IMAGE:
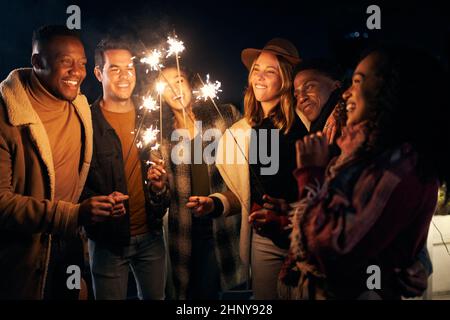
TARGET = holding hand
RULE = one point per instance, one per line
(200, 205)
(157, 176)
(95, 209)
(330, 128)
(99, 208)
(312, 151)
(271, 220)
(119, 207)
(276, 204)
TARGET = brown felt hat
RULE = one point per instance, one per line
(277, 46)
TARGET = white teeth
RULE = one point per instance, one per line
(257, 86)
(350, 107)
(123, 85)
(70, 82)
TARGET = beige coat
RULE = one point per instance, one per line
(28, 216)
(235, 171)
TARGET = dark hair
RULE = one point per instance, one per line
(45, 34)
(110, 43)
(327, 67)
(191, 77)
(410, 106)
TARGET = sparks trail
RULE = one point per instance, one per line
(259, 185)
(175, 47)
(208, 90)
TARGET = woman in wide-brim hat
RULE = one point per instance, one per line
(268, 108)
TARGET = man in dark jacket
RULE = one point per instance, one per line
(136, 239)
(317, 89)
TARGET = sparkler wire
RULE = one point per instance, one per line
(258, 180)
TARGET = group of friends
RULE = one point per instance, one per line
(360, 165)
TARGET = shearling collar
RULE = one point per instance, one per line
(18, 106)
(20, 113)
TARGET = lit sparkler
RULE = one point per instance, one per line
(209, 90)
(175, 47)
(148, 138)
(153, 60)
(150, 104)
(160, 87)
(155, 147)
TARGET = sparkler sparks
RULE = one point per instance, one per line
(149, 137)
(209, 90)
(160, 87)
(149, 104)
(155, 147)
(175, 46)
(153, 59)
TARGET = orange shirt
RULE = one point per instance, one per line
(63, 128)
(124, 125)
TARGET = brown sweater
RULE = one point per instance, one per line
(124, 124)
(63, 128)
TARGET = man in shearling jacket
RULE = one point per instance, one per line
(45, 153)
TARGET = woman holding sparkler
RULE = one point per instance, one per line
(204, 251)
(269, 107)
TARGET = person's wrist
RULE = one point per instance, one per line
(217, 207)
(158, 191)
(212, 205)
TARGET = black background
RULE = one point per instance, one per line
(215, 32)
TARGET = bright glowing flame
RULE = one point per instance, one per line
(155, 147)
(175, 46)
(153, 59)
(149, 137)
(160, 86)
(209, 90)
(150, 104)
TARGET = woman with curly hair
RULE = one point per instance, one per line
(370, 208)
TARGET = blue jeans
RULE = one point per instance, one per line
(145, 255)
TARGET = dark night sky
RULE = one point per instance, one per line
(216, 32)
